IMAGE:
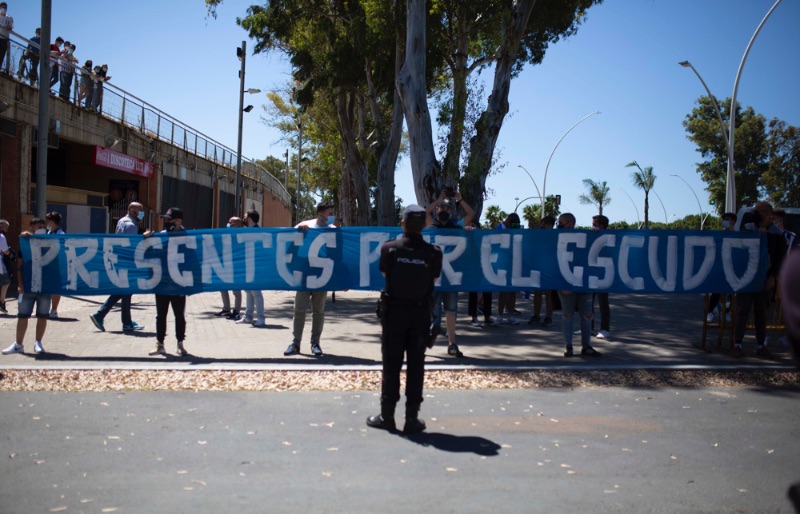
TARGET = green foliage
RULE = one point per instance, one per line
(596, 193)
(531, 213)
(643, 179)
(493, 216)
(781, 181)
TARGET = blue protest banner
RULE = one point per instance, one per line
(336, 259)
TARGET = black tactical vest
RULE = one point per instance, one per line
(411, 277)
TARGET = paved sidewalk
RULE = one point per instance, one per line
(648, 331)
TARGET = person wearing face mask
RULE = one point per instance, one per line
(234, 222)
(101, 77)
(26, 302)
(86, 89)
(728, 222)
(325, 219)
(53, 220)
(254, 300)
(5, 273)
(6, 26)
(128, 224)
(65, 63)
(445, 206)
(55, 52)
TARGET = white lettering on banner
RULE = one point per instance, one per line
(40, 260)
(628, 242)
(753, 247)
(110, 259)
(367, 256)
(175, 258)
(76, 264)
(249, 241)
(488, 257)
(517, 279)
(565, 256)
(459, 244)
(283, 258)
(153, 264)
(607, 263)
(316, 261)
(669, 282)
(211, 261)
(693, 280)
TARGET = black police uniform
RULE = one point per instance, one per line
(411, 266)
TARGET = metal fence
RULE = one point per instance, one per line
(119, 105)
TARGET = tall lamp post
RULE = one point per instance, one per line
(544, 181)
(699, 206)
(241, 53)
(638, 220)
(534, 185)
(666, 219)
(730, 182)
(520, 202)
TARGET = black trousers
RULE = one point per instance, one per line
(759, 303)
(405, 329)
(178, 303)
(472, 305)
(605, 311)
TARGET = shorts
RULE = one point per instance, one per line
(450, 300)
(25, 305)
(5, 279)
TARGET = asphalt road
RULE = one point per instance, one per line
(584, 450)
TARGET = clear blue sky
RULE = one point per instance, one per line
(622, 62)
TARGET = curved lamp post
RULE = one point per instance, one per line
(666, 219)
(534, 185)
(520, 202)
(730, 182)
(638, 220)
(702, 217)
(544, 181)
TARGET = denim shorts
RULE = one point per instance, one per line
(25, 305)
(450, 301)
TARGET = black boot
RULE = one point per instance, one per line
(385, 419)
(413, 425)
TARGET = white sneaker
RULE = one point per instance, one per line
(53, 315)
(711, 318)
(512, 320)
(14, 348)
(475, 322)
(259, 323)
(244, 321)
(577, 332)
(501, 320)
(37, 347)
(603, 335)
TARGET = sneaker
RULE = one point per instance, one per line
(316, 350)
(547, 322)
(259, 323)
(475, 322)
(512, 320)
(711, 318)
(98, 322)
(577, 332)
(535, 320)
(244, 320)
(53, 315)
(736, 353)
(159, 350)
(502, 320)
(37, 346)
(3, 307)
(764, 353)
(133, 326)
(454, 351)
(223, 312)
(515, 312)
(603, 334)
(234, 315)
(590, 352)
(293, 349)
(569, 352)
(14, 348)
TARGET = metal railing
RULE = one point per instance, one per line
(123, 107)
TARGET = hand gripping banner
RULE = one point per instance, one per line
(194, 261)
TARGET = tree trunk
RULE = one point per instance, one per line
(412, 91)
(458, 68)
(356, 167)
(487, 128)
(646, 210)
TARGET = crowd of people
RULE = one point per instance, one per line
(88, 80)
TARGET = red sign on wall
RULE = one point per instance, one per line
(120, 161)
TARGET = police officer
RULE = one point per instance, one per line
(411, 266)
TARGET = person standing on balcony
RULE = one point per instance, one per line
(65, 68)
(101, 78)
(6, 26)
(55, 52)
(87, 84)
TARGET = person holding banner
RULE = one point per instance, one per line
(571, 300)
(411, 266)
(234, 222)
(325, 219)
(254, 304)
(128, 224)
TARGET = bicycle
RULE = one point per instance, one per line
(27, 69)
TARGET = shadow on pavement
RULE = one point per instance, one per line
(193, 360)
(456, 443)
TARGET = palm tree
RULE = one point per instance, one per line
(494, 216)
(644, 179)
(596, 193)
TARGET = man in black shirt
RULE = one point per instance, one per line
(411, 266)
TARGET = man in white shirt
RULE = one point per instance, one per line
(6, 26)
(325, 219)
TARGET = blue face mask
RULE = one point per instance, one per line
(228, 225)
(726, 223)
(331, 220)
(140, 215)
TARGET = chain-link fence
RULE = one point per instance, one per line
(119, 105)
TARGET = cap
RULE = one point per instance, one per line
(173, 213)
(414, 213)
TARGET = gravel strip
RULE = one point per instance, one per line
(210, 380)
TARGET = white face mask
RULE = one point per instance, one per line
(331, 220)
(41, 231)
(140, 215)
(228, 225)
(3, 12)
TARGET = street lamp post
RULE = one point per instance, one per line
(638, 220)
(702, 217)
(241, 53)
(520, 202)
(666, 219)
(730, 182)
(544, 181)
(534, 185)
